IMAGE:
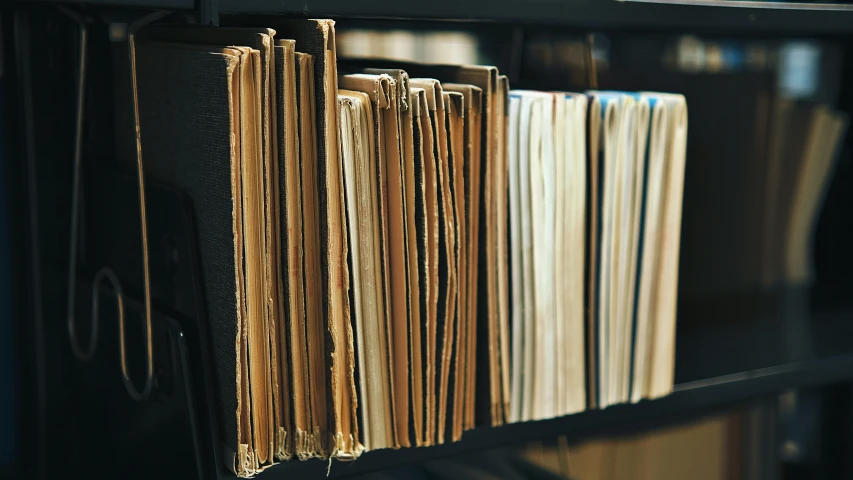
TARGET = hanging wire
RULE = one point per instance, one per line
(105, 273)
(84, 354)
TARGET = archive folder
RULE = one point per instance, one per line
(392, 263)
(219, 166)
(285, 388)
(414, 282)
(465, 171)
(361, 180)
(487, 272)
(331, 342)
(383, 89)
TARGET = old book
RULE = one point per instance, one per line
(542, 232)
(573, 242)
(663, 346)
(648, 273)
(486, 290)
(629, 192)
(603, 127)
(484, 306)
(418, 111)
(485, 293)
(229, 200)
(362, 193)
(622, 136)
(332, 324)
(446, 280)
(528, 134)
(293, 374)
(546, 201)
(447, 259)
(259, 41)
(428, 237)
(482, 298)
(412, 254)
(502, 253)
(383, 88)
(453, 346)
(563, 136)
(310, 414)
(415, 275)
(471, 121)
(254, 250)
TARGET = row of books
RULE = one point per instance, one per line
(595, 190)
(394, 253)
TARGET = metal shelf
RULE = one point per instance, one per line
(719, 16)
(688, 401)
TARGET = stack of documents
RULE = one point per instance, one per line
(395, 253)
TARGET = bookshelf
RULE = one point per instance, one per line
(684, 15)
(808, 351)
(689, 401)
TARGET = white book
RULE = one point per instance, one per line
(651, 230)
(664, 309)
(605, 324)
(572, 241)
(362, 194)
(562, 144)
(631, 209)
(542, 203)
(623, 181)
(529, 143)
(547, 201)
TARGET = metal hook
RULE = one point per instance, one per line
(140, 172)
(106, 273)
(81, 353)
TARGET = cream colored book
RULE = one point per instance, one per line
(408, 255)
(572, 240)
(610, 108)
(529, 152)
(664, 309)
(405, 138)
(648, 256)
(360, 173)
(382, 90)
(618, 215)
(562, 138)
(631, 202)
(542, 208)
